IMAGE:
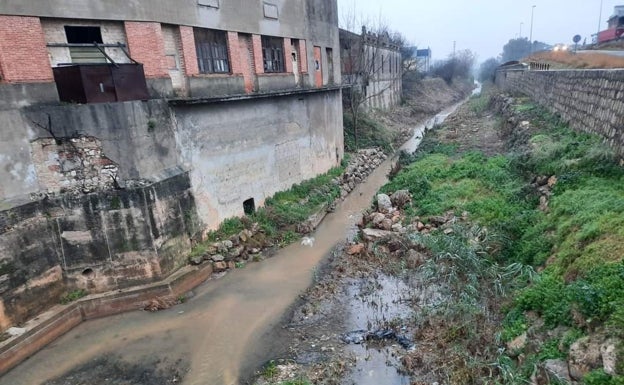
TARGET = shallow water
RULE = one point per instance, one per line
(375, 302)
(221, 325)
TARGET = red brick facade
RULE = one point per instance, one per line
(191, 67)
(288, 55)
(23, 52)
(256, 41)
(303, 56)
(318, 67)
(247, 61)
(236, 54)
(147, 46)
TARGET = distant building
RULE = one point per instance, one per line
(373, 64)
(423, 57)
(615, 28)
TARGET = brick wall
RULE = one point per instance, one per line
(303, 56)
(236, 65)
(23, 54)
(256, 42)
(146, 45)
(589, 100)
(174, 58)
(287, 55)
(247, 61)
(188, 51)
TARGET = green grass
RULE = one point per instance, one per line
(578, 241)
(73, 296)
(370, 133)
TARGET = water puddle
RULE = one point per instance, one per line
(377, 304)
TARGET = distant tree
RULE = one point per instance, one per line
(487, 70)
(517, 49)
(459, 66)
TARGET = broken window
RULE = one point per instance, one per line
(212, 53)
(81, 41)
(273, 54)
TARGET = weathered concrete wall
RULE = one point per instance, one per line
(105, 196)
(255, 148)
(590, 100)
(138, 137)
(98, 242)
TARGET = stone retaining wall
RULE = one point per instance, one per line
(589, 100)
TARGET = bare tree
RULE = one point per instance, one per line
(370, 61)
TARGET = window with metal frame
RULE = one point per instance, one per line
(81, 41)
(273, 54)
(212, 52)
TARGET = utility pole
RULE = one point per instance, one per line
(531, 35)
(454, 47)
(599, 21)
(520, 36)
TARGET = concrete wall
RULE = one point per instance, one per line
(232, 15)
(101, 241)
(105, 196)
(255, 148)
(590, 100)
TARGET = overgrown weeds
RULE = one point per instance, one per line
(370, 133)
(486, 272)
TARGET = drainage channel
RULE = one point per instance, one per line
(210, 335)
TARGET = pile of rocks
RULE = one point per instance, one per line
(388, 218)
(544, 185)
(360, 166)
(245, 246)
(597, 351)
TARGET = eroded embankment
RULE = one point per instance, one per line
(501, 265)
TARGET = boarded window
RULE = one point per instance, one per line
(273, 54)
(212, 53)
(81, 42)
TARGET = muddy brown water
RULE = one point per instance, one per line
(227, 319)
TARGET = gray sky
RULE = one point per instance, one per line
(483, 26)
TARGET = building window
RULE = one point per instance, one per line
(273, 54)
(82, 42)
(212, 53)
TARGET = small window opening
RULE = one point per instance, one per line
(249, 206)
(88, 273)
(81, 40)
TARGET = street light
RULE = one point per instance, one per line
(531, 35)
(599, 21)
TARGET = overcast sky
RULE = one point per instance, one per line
(483, 26)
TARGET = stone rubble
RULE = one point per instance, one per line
(388, 221)
(360, 166)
